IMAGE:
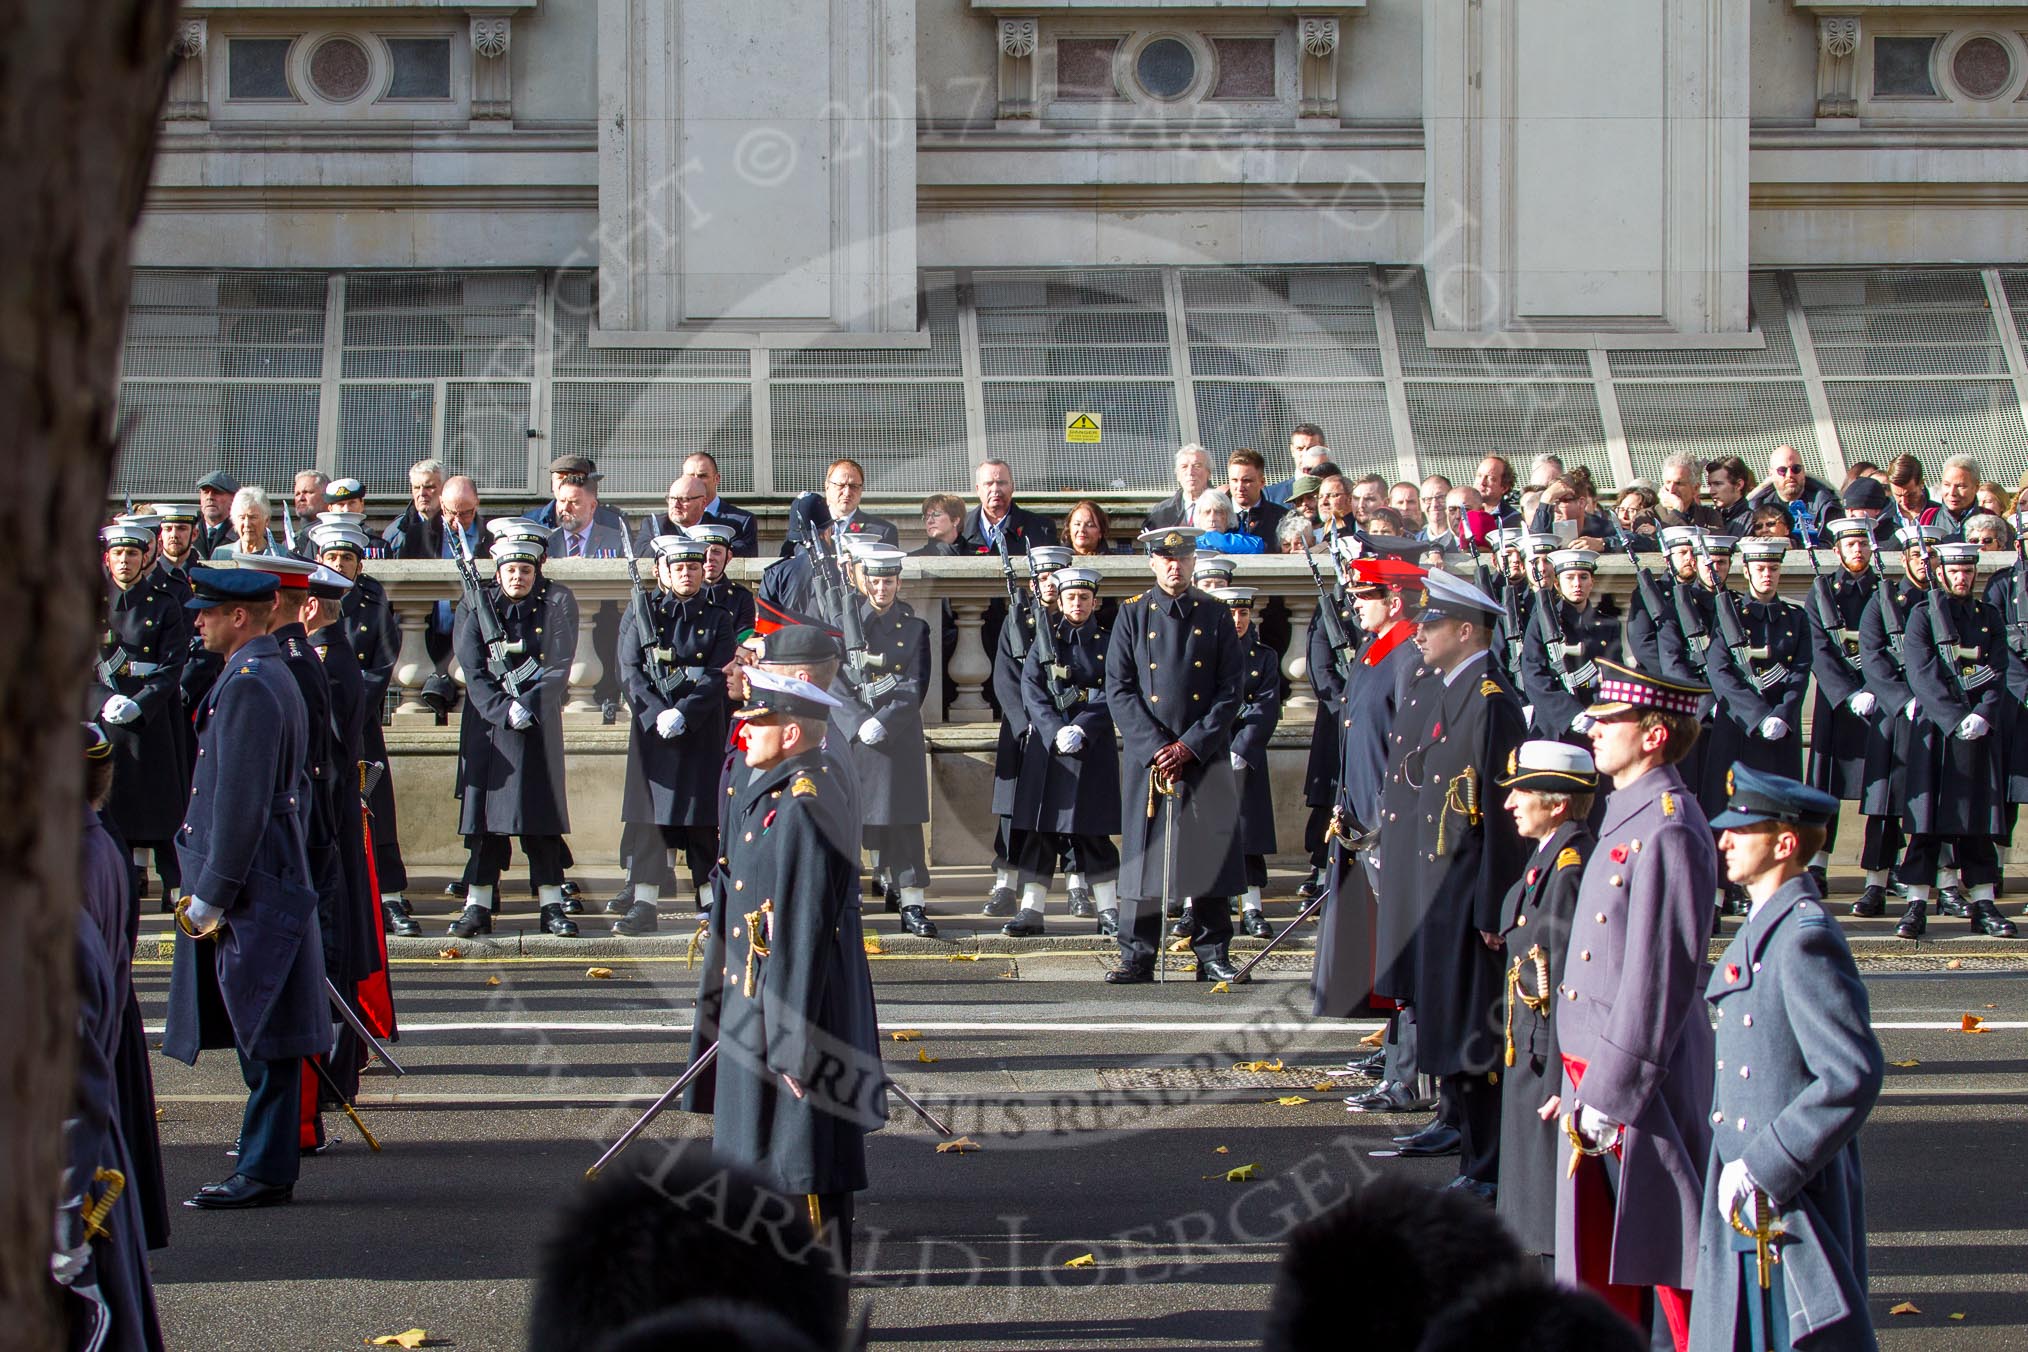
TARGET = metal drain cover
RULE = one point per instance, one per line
(1190, 1077)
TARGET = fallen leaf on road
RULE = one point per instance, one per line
(922, 1055)
(1291, 1100)
(962, 957)
(1971, 1023)
(1324, 1087)
(492, 980)
(905, 1035)
(1959, 1315)
(1374, 1038)
(1221, 1150)
(1009, 975)
(448, 953)
(1221, 988)
(1992, 1006)
(1275, 1064)
(1954, 964)
(599, 973)
(871, 943)
(964, 1145)
(1243, 1174)
(1082, 1260)
(1906, 1307)
(1905, 1065)
(408, 1338)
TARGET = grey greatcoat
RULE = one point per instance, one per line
(893, 775)
(795, 995)
(1078, 794)
(1535, 922)
(1260, 711)
(141, 656)
(1838, 737)
(259, 984)
(673, 781)
(513, 781)
(1173, 674)
(1791, 1010)
(1632, 1028)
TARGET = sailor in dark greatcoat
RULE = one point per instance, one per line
(1569, 633)
(1883, 657)
(1259, 712)
(1013, 640)
(1843, 711)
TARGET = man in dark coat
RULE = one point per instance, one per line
(249, 965)
(675, 682)
(1571, 630)
(215, 492)
(1468, 855)
(799, 1081)
(1843, 710)
(1882, 654)
(1259, 711)
(135, 698)
(998, 520)
(1549, 792)
(1631, 1029)
(745, 527)
(1799, 1070)
(1173, 683)
(880, 717)
(2007, 593)
(1068, 798)
(510, 744)
(1954, 790)
(1328, 677)
(1013, 642)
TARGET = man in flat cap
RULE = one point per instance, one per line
(215, 492)
(1631, 1028)
(1173, 684)
(247, 868)
(1799, 1070)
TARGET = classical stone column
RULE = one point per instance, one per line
(586, 670)
(412, 666)
(970, 667)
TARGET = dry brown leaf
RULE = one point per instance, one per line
(449, 953)
(407, 1338)
(962, 957)
(905, 1035)
(1958, 1315)
(1082, 1260)
(1222, 1150)
(1954, 964)
(1258, 1066)
(1009, 975)
(922, 1055)
(1992, 1006)
(492, 980)
(871, 944)
(1291, 1100)
(1971, 1023)
(1243, 1174)
(1906, 1307)
(1905, 1065)
(1324, 1087)
(964, 1145)
(1221, 988)
(599, 973)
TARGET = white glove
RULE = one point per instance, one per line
(1069, 739)
(873, 732)
(1973, 728)
(1908, 710)
(1735, 1192)
(1862, 702)
(204, 917)
(518, 716)
(1595, 1126)
(1238, 761)
(119, 709)
(71, 1254)
(1582, 723)
(1773, 729)
(669, 723)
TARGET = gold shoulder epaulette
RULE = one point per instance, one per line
(1135, 597)
(1568, 857)
(1668, 805)
(803, 787)
(1489, 686)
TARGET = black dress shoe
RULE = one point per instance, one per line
(570, 890)
(395, 922)
(1218, 968)
(1438, 1139)
(1372, 1065)
(1954, 902)
(1987, 920)
(1026, 925)
(641, 918)
(1001, 904)
(1172, 909)
(1082, 907)
(1129, 974)
(406, 909)
(1485, 1192)
(1403, 1138)
(1914, 920)
(474, 921)
(1823, 877)
(556, 922)
(1109, 923)
(454, 889)
(1185, 922)
(917, 922)
(622, 901)
(1391, 1097)
(1312, 888)
(1872, 901)
(890, 896)
(1255, 926)
(239, 1193)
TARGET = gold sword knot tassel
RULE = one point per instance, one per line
(756, 943)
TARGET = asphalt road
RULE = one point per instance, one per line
(1107, 1120)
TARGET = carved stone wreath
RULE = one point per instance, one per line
(190, 39)
(490, 37)
(1839, 35)
(1319, 36)
(1017, 37)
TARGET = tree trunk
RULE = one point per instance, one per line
(81, 85)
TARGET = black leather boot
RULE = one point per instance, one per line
(474, 921)
(641, 918)
(1914, 920)
(1987, 920)
(396, 921)
(557, 923)
(1872, 902)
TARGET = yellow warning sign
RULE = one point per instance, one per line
(1082, 428)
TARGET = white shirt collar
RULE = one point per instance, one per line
(1461, 668)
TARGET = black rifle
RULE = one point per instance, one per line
(1725, 608)
(1645, 590)
(1821, 604)
(518, 680)
(838, 602)
(1335, 636)
(1055, 675)
(2018, 626)
(1942, 624)
(1549, 623)
(1017, 642)
(656, 659)
(1890, 614)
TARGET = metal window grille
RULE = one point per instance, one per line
(174, 432)
(640, 431)
(1709, 420)
(1932, 421)
(1457, 425)
(1916, 322)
